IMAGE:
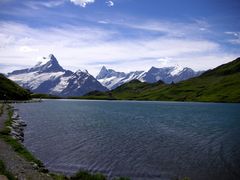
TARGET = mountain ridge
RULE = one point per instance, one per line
(221, 84)
(51, 78)
(112, 79)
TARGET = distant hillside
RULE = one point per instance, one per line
(9, 90)
(221, 84)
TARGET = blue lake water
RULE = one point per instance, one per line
(140, 140)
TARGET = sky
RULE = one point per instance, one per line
(125, 35)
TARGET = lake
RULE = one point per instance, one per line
(140, 140)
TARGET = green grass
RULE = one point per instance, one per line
(45, 96)
(3, 171)
(84, 175)
(58, 176)
(17, 146)
(221, 84)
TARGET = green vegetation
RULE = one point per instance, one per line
(3, 171)
(121, 178)
(96, 95)
(45, 96)
(221, 84)
(1, 109)
(83, 175)
(186, 178)
(58, 176)
(17, 146)
(11, 91)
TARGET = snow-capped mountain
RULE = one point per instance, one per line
(51, 78)
(112, 79)
(169, 74)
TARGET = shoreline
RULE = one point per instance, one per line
(24, 165)
(18, 161)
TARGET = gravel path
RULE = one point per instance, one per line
(17, 165)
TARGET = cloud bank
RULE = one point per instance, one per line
(82, 3)
(89, 48)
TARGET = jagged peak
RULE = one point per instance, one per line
(52, 57)
(104, 68)
(153, 68)
(50, 65)
(103, 72)
(80, 72)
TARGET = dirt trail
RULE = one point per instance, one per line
(15, 164)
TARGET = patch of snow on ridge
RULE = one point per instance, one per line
(34, 83)
(110, 82)
(22, 79)
(61, 85)
(176, 70)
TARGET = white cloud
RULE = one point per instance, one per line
(103, 22)
(27, 49)
(171, 29)
(236, 37)
(110, 3)
(163, 61)
(88, 48)
(82, 3)
(46, 4)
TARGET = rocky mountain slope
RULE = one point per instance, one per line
(112, 79)
(51, 78)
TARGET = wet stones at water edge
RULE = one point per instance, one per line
(17, 126)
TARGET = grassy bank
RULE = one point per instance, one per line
(17, 146)
(83, 175)
(44, 96)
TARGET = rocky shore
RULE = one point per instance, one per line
(17, 160)
(17, 126)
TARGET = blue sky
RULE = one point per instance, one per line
(121, 34)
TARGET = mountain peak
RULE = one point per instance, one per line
(52, 57)
(51, 66)
(103, 73)
(80, 72)
(104, 68)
